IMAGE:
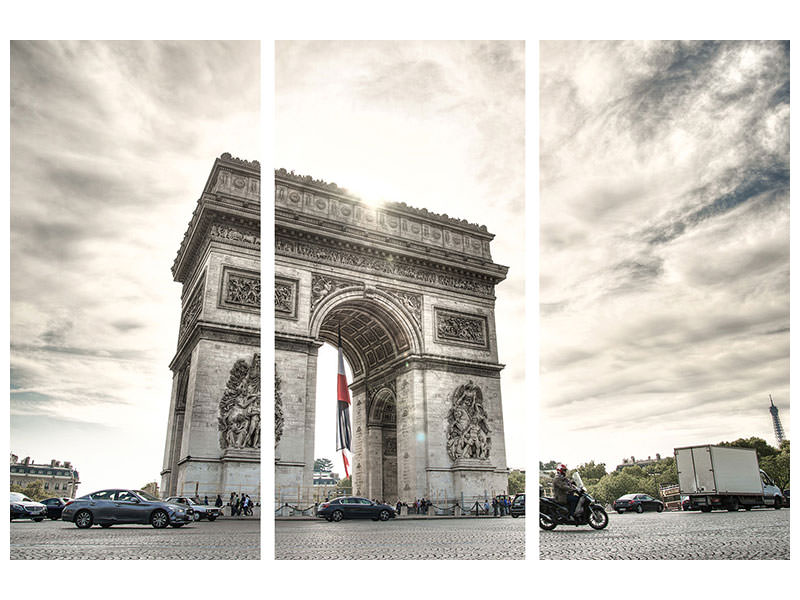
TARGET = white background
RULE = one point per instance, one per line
(381, 20)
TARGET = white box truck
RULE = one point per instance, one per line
(726, 478)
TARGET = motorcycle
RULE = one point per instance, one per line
(587, 512)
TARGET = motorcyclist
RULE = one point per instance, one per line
(564, 491)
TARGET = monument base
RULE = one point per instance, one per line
(478, 478)
(241, 472)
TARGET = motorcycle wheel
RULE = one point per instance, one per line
(598, 519)
(546, 522)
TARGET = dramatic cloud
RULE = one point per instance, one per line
(439, 125)
(664, 245)
(111, 144)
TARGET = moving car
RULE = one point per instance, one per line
(353, 507)
(23, 507)
(518, 506)
(118, 507)
(638, 503)
(55, 506)
(201, 511)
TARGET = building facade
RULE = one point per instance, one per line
(59, 479)
(213, 436)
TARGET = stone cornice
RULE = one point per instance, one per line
(206, 330)
(232, 189)
(299, 195)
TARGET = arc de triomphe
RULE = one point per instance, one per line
(413, 293)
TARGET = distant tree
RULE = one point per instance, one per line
(33, 490)
(777, 467)
(516, 482)
(323, 465)
(548, 466)
(344, 487)
(762, 448)
(591, 472)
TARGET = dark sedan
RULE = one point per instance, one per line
(637, 503)
(124, 507)
(518, 506)
(23, 507)
(352, 507)
(201, 511)
(55, 507)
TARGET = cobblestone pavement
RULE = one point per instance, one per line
(757, 534)
(501, 538)
(222, 539)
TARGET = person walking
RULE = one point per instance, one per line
(205, 500)
(218, 503)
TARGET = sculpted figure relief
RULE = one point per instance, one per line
(278, 408)
(468, 424)
(240, 407)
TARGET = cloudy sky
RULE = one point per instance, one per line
(111, 144)
(437, 125)
(664, 265)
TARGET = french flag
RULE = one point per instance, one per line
(343, 429)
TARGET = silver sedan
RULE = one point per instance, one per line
(118, 507)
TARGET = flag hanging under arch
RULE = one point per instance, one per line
(343, 428)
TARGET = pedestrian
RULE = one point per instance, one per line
(495, 505)
(486, 506)
(399, 506)
(205, 500)
(218, 503)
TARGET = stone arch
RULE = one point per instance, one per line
(377, 330)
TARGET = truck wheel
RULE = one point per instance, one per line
(639, 509)
(778, 503)
(705, 509)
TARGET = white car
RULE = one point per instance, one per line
(23, 507)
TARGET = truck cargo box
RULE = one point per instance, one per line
(718, 470)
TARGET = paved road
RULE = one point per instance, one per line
(222, 539)
(757, 534)
(501, 538)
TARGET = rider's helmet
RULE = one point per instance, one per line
(561, 469)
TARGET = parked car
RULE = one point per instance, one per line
(55, 506)
(786, 497)
(518, 506)
(23, 507)
(118, 507)
(201, 511)
(638, 503)
(352, 507)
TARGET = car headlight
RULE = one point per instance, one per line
(17, 507)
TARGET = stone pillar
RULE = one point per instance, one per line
(296, 367)
(374, 457)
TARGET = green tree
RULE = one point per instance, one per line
(323, 465)
(344, 487)
(777, 466)
(33, 490)
(762, 448)
(591, 472)
(548, 466)
(516, 482)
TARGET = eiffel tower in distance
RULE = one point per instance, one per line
(776, 421)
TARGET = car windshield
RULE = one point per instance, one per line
(148, 497)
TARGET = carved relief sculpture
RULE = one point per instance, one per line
(284, 297)
(322, 285)
(243, 290)
(278, 408)
(240, 407)
(192, 310)
(468, 424)
(411, 302)
(461, 328)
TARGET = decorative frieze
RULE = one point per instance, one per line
(323, 285)
(461, 328)
(286, 298)
(229, 233)
(192, 310)
(240, 290)
(396, 267)
(468, 424)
